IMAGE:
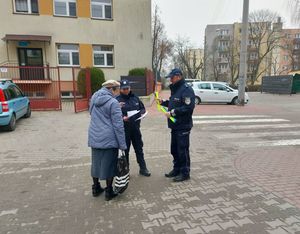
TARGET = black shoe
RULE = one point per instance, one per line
(97, 190)
(145, 172)
(181, 178)
(110, 194)
(172, 174)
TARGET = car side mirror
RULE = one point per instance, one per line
(228, 90)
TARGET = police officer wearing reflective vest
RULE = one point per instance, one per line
(180, 106)
(130, 102)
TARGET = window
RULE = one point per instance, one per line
(297, 35)
(11, 93)
(103, 56)
(286, 57)
(68, 55)
(253, 55)
(204, 86)
(26, 6)
(65, 7)
(219, 87)
(101, 9)
(297, 46)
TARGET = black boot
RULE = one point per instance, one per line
(181, 178)
(145, 172)
(97, 190)
(110, 193)
(172, 174)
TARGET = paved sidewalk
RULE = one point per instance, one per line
(46, 186)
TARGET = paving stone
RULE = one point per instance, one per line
(159, 215)
(147, 225)
(196, 230)
(243, 221)
(276, 223)
(211, 228)
(226, 225)
(171, 213)
(180, 226)
(167, 221)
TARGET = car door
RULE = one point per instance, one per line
(205, 91)
(22, 101)
(221, 93)
(14, 102)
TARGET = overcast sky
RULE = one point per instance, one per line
(190, 17)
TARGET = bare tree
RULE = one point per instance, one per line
(161, 45)
(185, 57)
(233, 59)
(264, 38)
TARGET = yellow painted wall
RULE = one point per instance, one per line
(84, 9)
(86, 55)
(46, 7)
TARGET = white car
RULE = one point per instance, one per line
(216, 92)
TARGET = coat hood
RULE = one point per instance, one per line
(102, 96)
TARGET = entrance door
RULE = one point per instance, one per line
(31, 60)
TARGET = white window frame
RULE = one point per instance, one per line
(70, 56)
(105, 53)
(67, 7)
(29, 11)
(103, 10)
(297, 36)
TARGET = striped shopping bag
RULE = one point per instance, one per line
(122, 178)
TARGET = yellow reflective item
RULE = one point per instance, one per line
(162, 108)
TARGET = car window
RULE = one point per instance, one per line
(219, 87)
(204, 86)
(18, 91)
(11, 93)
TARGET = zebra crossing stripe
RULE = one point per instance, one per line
(229, 116)
(247, 127)
(240, 121)
(257, 134)
(252, 144)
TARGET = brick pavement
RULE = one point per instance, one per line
(45, 185)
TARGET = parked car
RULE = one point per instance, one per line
(13, 104)
(216, 92)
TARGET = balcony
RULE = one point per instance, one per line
(28, 75)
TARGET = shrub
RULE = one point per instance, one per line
(97, 79)
(137, 72)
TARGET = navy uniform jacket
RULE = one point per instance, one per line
(181, 105)
(132, 102)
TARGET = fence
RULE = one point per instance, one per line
(40, 84)
(81, 89)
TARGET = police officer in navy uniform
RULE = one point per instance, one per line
(130, 102)
(180, 106)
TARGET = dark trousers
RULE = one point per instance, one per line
(180, 144)
(134, 137)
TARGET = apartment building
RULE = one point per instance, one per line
(114, 35)
(217, 43)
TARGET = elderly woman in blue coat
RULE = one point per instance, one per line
(106, 136)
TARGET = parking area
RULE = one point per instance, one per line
(245, 174)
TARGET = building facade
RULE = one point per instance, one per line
(113, 35)
(217, 42)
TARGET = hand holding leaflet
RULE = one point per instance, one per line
(143, 116)
(132, 113)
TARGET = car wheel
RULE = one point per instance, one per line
(28, 113)
(197, 101)
(235, 101)
(12, 124)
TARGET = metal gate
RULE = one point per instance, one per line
(41, 85)
(81, 89)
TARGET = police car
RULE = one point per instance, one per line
(216, 92)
